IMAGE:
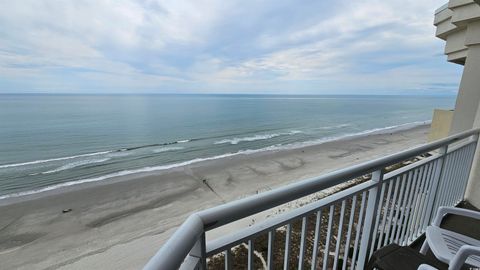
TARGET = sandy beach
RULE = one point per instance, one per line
(121, 222)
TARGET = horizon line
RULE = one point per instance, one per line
(223, 94)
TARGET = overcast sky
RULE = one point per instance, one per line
(224, 46)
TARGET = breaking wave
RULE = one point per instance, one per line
(256, 137)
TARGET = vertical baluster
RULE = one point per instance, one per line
(445, 180)
(349, 232)
(416, 188)
(416, 196)
(370, 214)
(228, 259)
(250, 254)
(456, 177)
(416, 201)
(399, 207)
(358, 228)
(439, 168)
(465, 173)
(301, 258)
(318, 224)
(427, 190)
(385, 212)
(392, 209)
(421, 201)
(411, 192)
(473, 148)
(377, 219)
(453, 178)
(448, 178)
(271, 241)
(404, 211)
(327, 240)
(339, 235)
(471, 156)
(419, 204)
(430, 194)
(287, 247)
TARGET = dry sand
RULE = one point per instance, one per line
(120, 223)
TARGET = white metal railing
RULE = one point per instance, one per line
(341, 230)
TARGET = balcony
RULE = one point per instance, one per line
(383, 201)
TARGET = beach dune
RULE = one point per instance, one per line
(121, 222)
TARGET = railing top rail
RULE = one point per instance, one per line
(174, 251)
(442, 8)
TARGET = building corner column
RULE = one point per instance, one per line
(468, 104)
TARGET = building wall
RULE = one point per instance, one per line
(459, 26)
(441, 123)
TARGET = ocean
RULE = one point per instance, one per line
(50, 141)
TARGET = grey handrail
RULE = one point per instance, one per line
(174, 251)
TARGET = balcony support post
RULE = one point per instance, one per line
(199, 251)
(370, 214)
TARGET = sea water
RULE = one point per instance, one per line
(50, 141)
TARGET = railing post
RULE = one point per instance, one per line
(439, 171)
(199, 251)
(370, 215)
(471, 175)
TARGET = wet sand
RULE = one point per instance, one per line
(121, 222)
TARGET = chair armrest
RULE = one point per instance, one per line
(463, 253)
(442, 211)
(426, 267)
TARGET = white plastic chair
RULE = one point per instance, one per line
(464, 253)
(450, 247)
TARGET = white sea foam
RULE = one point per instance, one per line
(167, 149)
(129, 172)
(53, 159)
(113, 153)
(76, 164)
(118, 154)
(242, 152)
(383, 130)
(256, 137)
(335, 127)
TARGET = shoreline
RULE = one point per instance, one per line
(121, 222)
(10, 198)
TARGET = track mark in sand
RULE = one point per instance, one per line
(381, 142)
(286, 167)
(134, 210)
(202, 180)
(350, 151)
(11, 242)
(9, 224)
(229, 180)
(205, 182)
(256, 171)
